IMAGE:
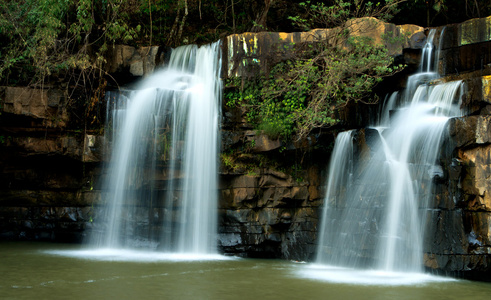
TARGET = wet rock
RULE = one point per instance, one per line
(229, 239)
(48, 104)
(470, 57)
(475, 181)
(470, 130)
(478, 228)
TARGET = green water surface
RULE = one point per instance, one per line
(32, 271)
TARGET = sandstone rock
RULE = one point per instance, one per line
(479, 232)
(244, 181)
(93, 147)
(472, 31)
(248, 53)
(241, 195)
(282, 196)
(47, 104)
(261, 142)
(229, 239)
(476, 265)
(430, 261)
(471, 130)
(381, 33)
(230, 138)
(475, 31)
(137, 61)
(475, 182)
(445, 233)
(66, 146)
(275, 181)
(466, 58)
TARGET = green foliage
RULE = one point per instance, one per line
(164, 146)
(441, 12)
(319, 14)
(52, 37)
(243, 162)
(306, 91)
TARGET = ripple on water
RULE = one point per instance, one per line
(134, 255)
(366, 277)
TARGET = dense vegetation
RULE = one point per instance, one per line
(65, 42)
(305, 91)
(45, 37)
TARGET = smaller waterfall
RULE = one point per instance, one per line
(341, 175)
(388, 106)
(161, 185)
(377, 194)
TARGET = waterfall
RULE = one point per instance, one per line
(376, 220)
(160, 191)
(341, 181)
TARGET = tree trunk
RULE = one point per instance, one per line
(176, 31)
(183, 20)
(260, 22)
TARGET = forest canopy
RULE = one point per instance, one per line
(46, 37)
(66, 42)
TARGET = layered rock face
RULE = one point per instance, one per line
(271, 213)
(251, 53)
(47, 170)
(270, 198)
(459, 239)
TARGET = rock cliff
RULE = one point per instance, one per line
(270, 193)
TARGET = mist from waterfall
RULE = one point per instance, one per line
(381, 178)
(160, 191)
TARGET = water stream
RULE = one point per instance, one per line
(161, 185)
(379, 188)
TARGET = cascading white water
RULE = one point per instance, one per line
(378, 222)
(161, 187)
(341, 181)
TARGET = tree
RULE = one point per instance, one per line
(441, 12)
(56, 37)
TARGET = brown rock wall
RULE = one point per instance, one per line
(458, 238)
(48, 105)
(264, 211)
(269, 214)
(250, 53)
(135, 61)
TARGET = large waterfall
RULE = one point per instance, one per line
(160, 190)
(381, 178)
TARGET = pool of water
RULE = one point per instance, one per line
(58, 271)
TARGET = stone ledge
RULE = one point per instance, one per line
(458, 263)
(87, 150)
(137, 61)
(47, 105)
(248, 50)
(470, 130)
